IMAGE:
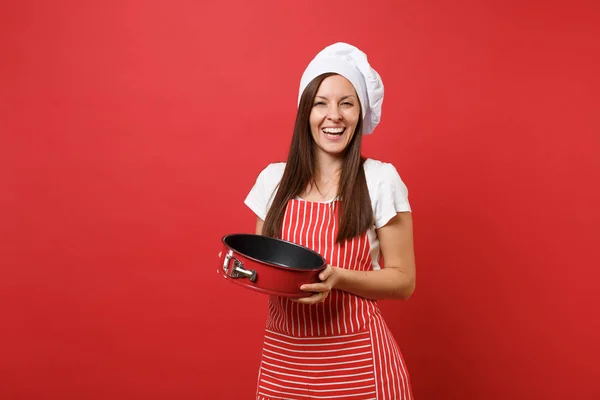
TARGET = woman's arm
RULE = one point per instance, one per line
(259, 225)
(395, 281)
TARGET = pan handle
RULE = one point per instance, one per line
(237, 270)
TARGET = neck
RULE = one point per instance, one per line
(327, 167)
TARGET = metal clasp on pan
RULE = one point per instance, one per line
(237, 270)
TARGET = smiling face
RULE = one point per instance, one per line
(334, 115)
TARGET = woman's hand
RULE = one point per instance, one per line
(329, 278)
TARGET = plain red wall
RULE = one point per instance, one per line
(131, 132)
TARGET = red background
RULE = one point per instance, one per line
(131, 132)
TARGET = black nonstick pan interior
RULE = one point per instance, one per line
(275, 251)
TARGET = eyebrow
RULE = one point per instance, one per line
(343, 98)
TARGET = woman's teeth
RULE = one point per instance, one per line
(334, 131)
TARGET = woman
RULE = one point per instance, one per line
(334, 344)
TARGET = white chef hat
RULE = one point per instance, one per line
(351, 63)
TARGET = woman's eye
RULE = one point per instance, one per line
(319, 103)
(347, 104)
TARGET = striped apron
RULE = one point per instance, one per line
(339, 349)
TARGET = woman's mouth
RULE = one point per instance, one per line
(333, 133)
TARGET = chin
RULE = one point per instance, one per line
(338, 151)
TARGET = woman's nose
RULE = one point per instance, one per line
(334, 113)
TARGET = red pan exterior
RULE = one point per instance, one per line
(268, 278)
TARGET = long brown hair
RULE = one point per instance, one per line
(356, 212)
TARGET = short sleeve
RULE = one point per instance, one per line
(262, 192)
(391, 195)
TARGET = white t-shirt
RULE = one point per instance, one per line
(388, 193)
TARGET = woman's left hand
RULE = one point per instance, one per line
(329, 277)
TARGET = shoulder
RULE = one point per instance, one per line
(388, 193)
(272, 173)
(379, 173)
(269, 177)
(372, 165)
(262, 193)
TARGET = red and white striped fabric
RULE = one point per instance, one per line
(339, 349)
